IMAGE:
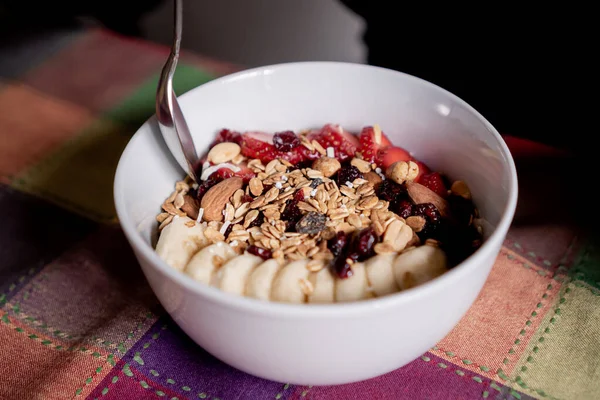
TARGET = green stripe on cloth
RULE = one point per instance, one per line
(587, 264)
(79, 175)
(140, 106)
(561, 359)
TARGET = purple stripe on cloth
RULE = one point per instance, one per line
(33, 233)
(165, 354)
(429, 377)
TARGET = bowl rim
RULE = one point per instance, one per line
(256, 306)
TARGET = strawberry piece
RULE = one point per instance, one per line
(344, 143)
(423, 170)
(258, 145)
(390, 155)
(434, 182)
(371, 145)
(226, 135)
(245, 173)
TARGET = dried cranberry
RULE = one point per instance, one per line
(258, 221)
(433, 219)
(404, 208)
(396, 195)
(342, 268)
(363, 244)
(285, 141)
(462, 209)
(291, 214)
(337, 244)
(259, 251)
(348, 173)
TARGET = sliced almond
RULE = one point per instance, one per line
(421, 194)
(362, 165)
(460, 188)
(223, 152)
(256, 186)
(217, 197)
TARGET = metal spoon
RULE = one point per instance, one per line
(171, 121)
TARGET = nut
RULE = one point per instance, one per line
(223, 152)
(460, 188)
(190, 206)
(373, 178)
(362, 165)
(421, 194)
(402, 171)
(217, 197)
(397, 235)
(327, 166)
(416, 222)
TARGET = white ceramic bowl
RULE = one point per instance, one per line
(322, 344)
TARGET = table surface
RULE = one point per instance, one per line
(78, 319)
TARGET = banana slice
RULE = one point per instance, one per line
(232, 276)
(380, 274)
(177, 242)
(419, 265)
(286, 285)
(260, 280)
(323, 283)
(354, 287)
(204, 263)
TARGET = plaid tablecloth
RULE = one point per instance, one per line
(78, 319)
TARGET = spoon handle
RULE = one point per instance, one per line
(169, 114)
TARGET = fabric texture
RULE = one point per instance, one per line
(79, 321)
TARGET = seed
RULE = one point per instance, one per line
(166, 222)
(258, 202)
(256, 186)
(368, 203)
(237, 198)
(229, 212)
(362, 165)
(318, 147)
(161, 217)
(271, 195)
(242, 210)
(338, 214)
(250, 217)
(312, 223)
(354, 220)
(417, 223)
(270, 168)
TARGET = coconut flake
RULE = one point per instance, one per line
(224, 227)
(200, 214)
(278, 185)
(208, 171)
(349, 184)
(330, 152)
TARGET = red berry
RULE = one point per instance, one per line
(226, 135)
(245, 173)
(390, 155)
(285, 141)
(257, 145)
(348, 174)
(432, 216)
(369, 147)
(434, 182)
(423, 170)
(259, 251)
(344, 143)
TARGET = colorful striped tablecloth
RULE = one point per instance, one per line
(78, 320)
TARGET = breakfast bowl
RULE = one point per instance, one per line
(337, 343)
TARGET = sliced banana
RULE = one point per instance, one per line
(178, 242)
(419, 265)
(286, 285)
(355, 287)
(380, 274)
(232, 276)
(204, 263)
(323, 283)
(260, 280)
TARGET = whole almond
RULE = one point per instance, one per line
(215, 200)
(190, 206)
(421, 194)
